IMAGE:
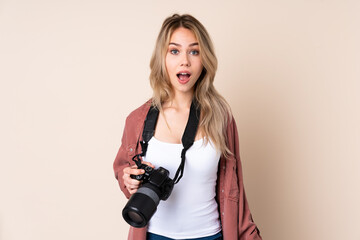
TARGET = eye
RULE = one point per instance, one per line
(194, 52)
(174, 51)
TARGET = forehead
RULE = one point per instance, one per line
(183, 36)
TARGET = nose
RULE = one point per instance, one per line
(185, 61)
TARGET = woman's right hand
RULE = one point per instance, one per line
(132, 185)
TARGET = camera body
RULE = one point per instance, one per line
(156, 185)
(158, 178)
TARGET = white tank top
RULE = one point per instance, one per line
(191, 211)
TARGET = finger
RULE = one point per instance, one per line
(132, 187)
(133, 171)
(131, 182)
(132, 191)
(149, 164)
(134, 182)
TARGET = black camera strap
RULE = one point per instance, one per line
(187, 139)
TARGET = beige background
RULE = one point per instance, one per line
(71, 71)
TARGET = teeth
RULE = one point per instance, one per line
(183, 73)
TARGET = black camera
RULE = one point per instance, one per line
(156, 185)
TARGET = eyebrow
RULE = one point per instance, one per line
(179, 45)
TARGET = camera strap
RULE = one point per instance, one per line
(187, 139)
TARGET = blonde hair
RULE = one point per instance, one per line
(215, 111)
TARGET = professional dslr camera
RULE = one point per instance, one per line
(156, 185)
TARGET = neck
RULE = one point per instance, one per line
(181, 101)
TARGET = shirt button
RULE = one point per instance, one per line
(222, 190)
(224, 167)
(131, 149)
(223, 213)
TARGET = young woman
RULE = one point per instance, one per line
(209, 201)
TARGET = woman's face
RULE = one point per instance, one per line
(183, 61)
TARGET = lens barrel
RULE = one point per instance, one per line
(141, 206)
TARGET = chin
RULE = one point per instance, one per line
(185, 90)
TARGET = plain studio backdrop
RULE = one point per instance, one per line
(71, 71)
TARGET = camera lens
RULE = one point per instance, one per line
(135, 217)
(141, 206)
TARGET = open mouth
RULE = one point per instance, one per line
(184, 77)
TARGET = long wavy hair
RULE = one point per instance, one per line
(215, 111)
